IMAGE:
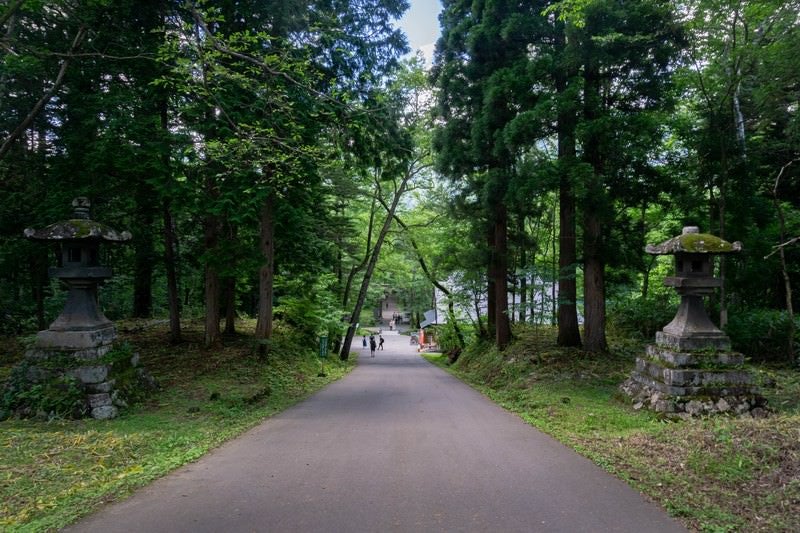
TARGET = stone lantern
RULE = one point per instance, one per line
(81, 324)
(691, 329)
(81, 335)
(691, 368)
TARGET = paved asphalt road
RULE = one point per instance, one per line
(398, 445)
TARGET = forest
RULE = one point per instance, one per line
(290, 162)
(285, 165)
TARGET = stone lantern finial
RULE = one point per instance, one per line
(82, 206)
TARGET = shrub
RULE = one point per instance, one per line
(310, 308)
(448, 339)
(56, 397)
(641, 316)
(762, 334)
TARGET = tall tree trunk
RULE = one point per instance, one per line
(502, 322)
(144, 252)
(344, 354)
(230, 306)
(553, 272)
(491, 279)
(523, 266)
(231, 231)
(723, 196)
(646, 281)
(482, 333)
(649, 266)
(568, 332)
(512, 287)
(170, 265)
(523, 299)
(594, 326)
(266, 274)
(211, 286)
(594, 304)
(170, 234)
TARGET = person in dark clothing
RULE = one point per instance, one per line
(380, 345)
(372, 345)
(364, 341)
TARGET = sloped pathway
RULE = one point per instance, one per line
(398, 445)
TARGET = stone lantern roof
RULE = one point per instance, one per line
(78, 228)
(691, 241)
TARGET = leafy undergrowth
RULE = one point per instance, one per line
(52, 473)
(714, 474)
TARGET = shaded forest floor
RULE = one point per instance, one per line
(53, 472)
(714, 474)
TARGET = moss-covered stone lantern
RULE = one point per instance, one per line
(75, 344)
(81, 323)
(691, 369)
(691, 329)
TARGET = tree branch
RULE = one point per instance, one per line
(253, 60)
(10, 11)
(6, 146)
(777, 248)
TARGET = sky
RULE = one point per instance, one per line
(421, 24)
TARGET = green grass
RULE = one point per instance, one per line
(52, 473)
(714, 474)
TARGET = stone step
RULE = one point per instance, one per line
(693, 359)
(694, 378)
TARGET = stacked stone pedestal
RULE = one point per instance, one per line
(80, 355)
(672, 379)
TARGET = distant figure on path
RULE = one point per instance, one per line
(364, 342)
(381, 343)
(391, 324)
(372, 345)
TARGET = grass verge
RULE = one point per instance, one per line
(714, 474)
(54, 472)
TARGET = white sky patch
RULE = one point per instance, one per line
(421, 26)
(427, 52)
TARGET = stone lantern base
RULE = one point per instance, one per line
(83, 364)
(692, 382)
(78, 355)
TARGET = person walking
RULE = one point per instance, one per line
(364, 342)
(380, 345)
(372, 345)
